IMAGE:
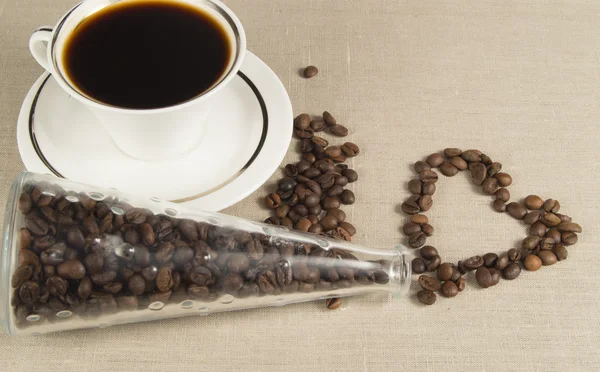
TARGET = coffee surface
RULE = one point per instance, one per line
(146, 55)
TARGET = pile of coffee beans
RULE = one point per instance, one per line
(549, 231)
(310, 196)
(78, 255)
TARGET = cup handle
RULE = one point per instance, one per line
(38, 46)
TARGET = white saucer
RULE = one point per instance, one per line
(248, 133)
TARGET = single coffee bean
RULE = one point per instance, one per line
(532, 262)
(301, 210)
(473, 263)
(561, 252)
(311, 158)
(233, 283)
(499, 205)
(551, 206)
(348, 227)
(37, 226)
(428, 252)
(347, 197)
(328, 118)
(493, 169)
(286, 222)
(530, 242)
(302, 121)
(350, 149)
(425, 203)
(24, 238)
(533, 202)
(421, 166)
(550, 219)
(569, 238)
(489, 185)
(448, 170)
(418, 265)
(312, 200)
(564, 217)
(547, 243)
(502, 261)
(350, 174)
(303, 224)
(428, 175)
(461, 283)
(336, 190)
(319, 152)
(411, 205)
(504, 179)
(516, 210)
(304, 133)
(435, 160)
(449, 289)
(514, 254)
(434, 263)
(455, 274)
(451, 152)
(339, 214)
(338, 130)
(571, 227)
(548, 257)
(333, 303)
(273, 201)
(472, 156)
(532, 217)
(445, 271)
(302, 166)
(428, 188)
(495, 276)
(325, 165)
(461, 267)
(489, 259)
(538, 229)
(316, 210)
(417, 239)
(410, 228)
(320, 141)
(310, 72)
(331, 202)
(502, 194)
(483, 277)
(430, 283)
(25, 203)
(71, 269)
(427, 229)
(426, 297)
(20, 275)
(511, 271)
(478, 173)
(415, 186)
(459, 163)
(199, 292)
(29, 292)
(282, 210)
(318, 125)
(419, 219)
(329, 223)
(341, 181)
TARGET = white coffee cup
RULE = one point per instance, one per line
(144, 134)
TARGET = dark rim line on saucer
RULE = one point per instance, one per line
(263, 136)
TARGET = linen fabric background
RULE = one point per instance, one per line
(518, 79)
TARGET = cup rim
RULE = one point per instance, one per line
(240, 51)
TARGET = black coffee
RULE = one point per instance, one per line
(146, 55)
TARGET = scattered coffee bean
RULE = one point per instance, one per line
(448, 170)
(504, 179)
(333, 303)
(499, 205)
(548, 257)
(569, 238)
(449, 289)
(419, 219)
(421, 166)
(551, 206)
(417, 239)
(473, 263)
(483, 277)
(338, 130)
(478, 173)
(318, 125)
(570, 227)
(445, 271)
(516, 210)
(418, 265)
(428, 188)
(489, 259)
(532, 262)
(511, 271)
(459, 163)
(430, 283)
(502, 194)
(427, 229)
(426, 297)
(310, 72)
(489, 185)
(435, 160)
(350, 149)
(328, 118)
(434, 263)
(494, 168)
(472, 156)
(561, 252)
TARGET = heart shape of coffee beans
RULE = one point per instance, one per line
(549, 231)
